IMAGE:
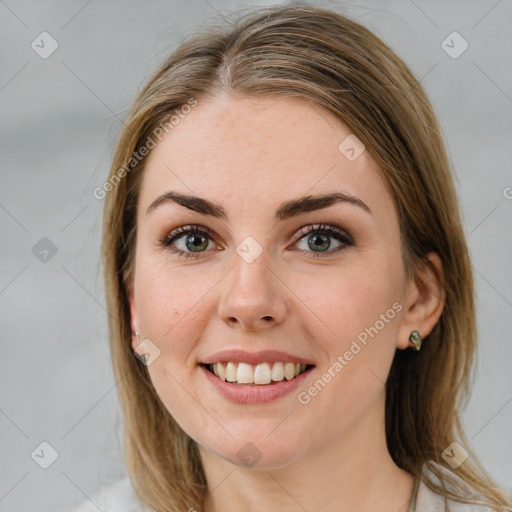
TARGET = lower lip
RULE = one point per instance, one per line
(254, 393)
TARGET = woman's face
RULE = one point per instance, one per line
(265, 278)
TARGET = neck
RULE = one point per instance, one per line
(357, 473)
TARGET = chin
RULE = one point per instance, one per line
(258, 451)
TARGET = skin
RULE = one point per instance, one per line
(250, 155)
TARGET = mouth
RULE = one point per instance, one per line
(263, 374)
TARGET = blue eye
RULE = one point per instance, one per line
(195, 240)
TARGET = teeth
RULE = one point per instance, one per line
(261, 374)
(230, 372)
(221, 370)
(278, 372)
(289, 371)
(244, 374)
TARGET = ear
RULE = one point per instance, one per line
(424, 301)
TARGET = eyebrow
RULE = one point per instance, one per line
(286, 210)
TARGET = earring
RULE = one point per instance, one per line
(416, 339)
(138, 336)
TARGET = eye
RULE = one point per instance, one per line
(191, 241)
(191, 238)
(318, 239)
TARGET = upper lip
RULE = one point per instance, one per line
(264, 356)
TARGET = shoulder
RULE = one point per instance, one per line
(117, 496)
(428, 500)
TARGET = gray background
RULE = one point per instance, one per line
(59, 121)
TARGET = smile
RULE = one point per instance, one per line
(251, 392)
(260, 374)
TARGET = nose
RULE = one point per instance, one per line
(253, 297)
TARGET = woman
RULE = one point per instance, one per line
(292, 317)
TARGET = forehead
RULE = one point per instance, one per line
(269, 149)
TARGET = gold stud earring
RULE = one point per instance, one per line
(416, 340)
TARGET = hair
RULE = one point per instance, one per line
(319, 55)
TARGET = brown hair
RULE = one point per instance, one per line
(312, 53)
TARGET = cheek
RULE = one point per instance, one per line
(362, 314)
(361, 309)
(348, 301)
(172, 315)
(170, 300)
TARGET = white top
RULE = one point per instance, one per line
(120, 497)
(425, 500)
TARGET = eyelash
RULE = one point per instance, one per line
(323, 229)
